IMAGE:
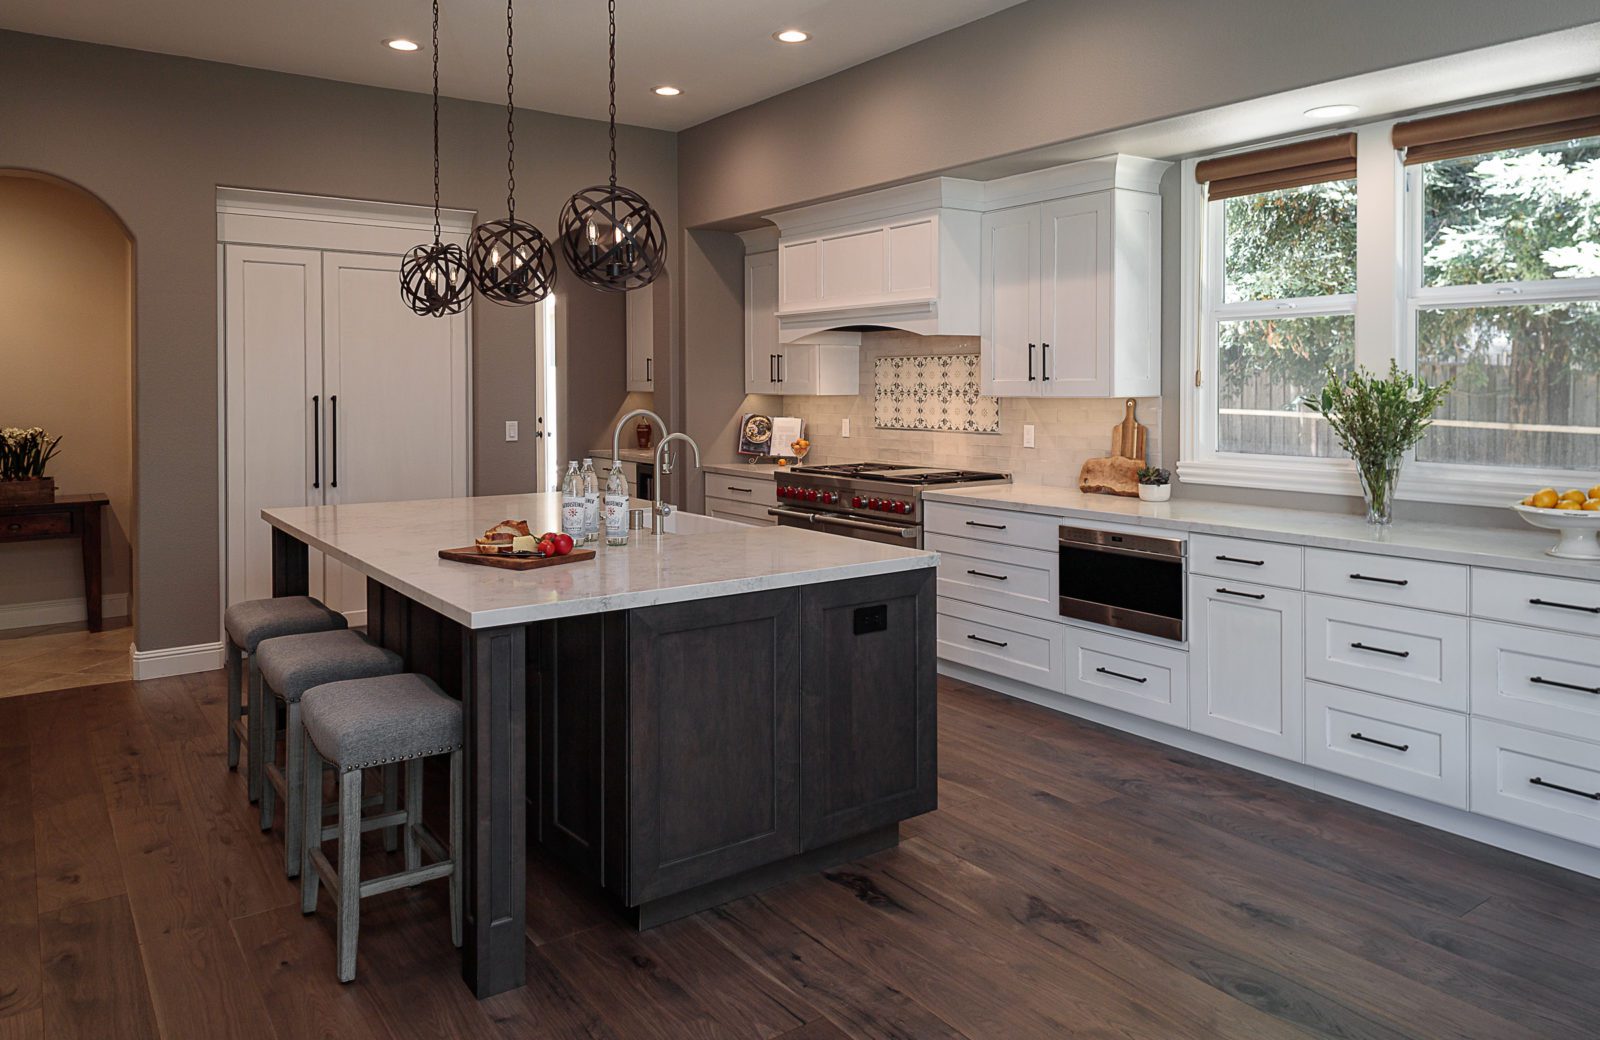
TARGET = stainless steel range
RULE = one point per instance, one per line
(877, 501)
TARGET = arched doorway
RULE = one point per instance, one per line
(66, 365)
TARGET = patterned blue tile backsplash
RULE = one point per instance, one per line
(932, 392)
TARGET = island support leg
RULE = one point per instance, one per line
(291, 565)
(494, 698)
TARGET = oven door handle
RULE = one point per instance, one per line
(843, 521)
(1118, 550)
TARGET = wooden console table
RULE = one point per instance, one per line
(69, 516)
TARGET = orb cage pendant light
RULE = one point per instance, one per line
(510, 261)
(611, 237)
(433, 277)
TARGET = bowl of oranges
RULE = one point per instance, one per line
(1574, 515)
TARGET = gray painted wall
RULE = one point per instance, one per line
(153, 136)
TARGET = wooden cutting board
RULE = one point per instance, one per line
(513, 563)
(1119, 474)
(1128, 437)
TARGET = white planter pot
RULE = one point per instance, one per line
(1155, 492)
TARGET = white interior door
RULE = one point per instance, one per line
(272, 323)
(396, 420)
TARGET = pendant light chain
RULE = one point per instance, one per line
(612, 9)
(511, 122)
(436, 228)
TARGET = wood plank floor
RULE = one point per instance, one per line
(1075, 882)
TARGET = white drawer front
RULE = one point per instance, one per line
(1536, 780)
(1022, 530)
(1535, 599)
(1548, 680)
(1023, 580)
(1404, 747)
(1387, 579)
(1405, 653)
(1242, 559)
(1127, 674)
(1016, 647)
(743, 512)
(760, 490)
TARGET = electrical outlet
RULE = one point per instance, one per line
(844, 427)
(1027, 435)
(511, 430)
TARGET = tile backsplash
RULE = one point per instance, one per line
(1066, 431)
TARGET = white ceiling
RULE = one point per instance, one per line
(719, 52)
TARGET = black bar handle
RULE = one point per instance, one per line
(1044, 361)
(1380, 650)
(992, 527)
(649, 370)
(1236, 559)
(335, 401)
(1246, 595)
(986, 574)
(1030, 362)
(316, 441)
(1564, 606)
(1380, 743)
(742, 491)
(1119, 675)
(1542, 681)
(991, 642)
(1569, 790)
(1381, 581)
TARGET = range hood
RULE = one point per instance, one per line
(900, 258)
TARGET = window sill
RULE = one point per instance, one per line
(1419, 481)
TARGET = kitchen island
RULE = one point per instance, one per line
(642, 716)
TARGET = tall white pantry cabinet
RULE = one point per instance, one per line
(335, 392)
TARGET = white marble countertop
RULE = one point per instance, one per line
(760, 470)
(397, 543)
(1522, 550)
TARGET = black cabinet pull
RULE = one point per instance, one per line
(742, 491)
(1380, 743)
(1119, 675)
(1569, 790)
(649, 370)
(991, 642)
(1030, 362)
(1381, 581)
(781, 358)
(1542, 681)
(316, 441)
(986, 574)
(1246, 595)
(772, 368)
(1236, 559)
(1380, 650)
(335, 481)
(1563, 606)
(1044, 361)
(992, 527)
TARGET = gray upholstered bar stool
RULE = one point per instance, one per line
(245, 625)
(356, 725)
(291, 665)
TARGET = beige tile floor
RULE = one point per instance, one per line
(61, 657)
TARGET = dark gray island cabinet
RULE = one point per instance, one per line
(684, 720)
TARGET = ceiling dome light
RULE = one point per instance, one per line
(668, 91)
(401, 44)
(1332, 111)
(791, 36)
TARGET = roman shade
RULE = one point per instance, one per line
(1284, 166)
(1516, 124)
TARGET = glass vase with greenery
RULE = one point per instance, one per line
(24, 453)
(1377, 421)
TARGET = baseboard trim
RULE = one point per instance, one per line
(1536, 845)
(176, 660)
(59, 611)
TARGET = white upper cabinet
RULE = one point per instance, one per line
(827, 364)
(641, 339)
(1071, 286)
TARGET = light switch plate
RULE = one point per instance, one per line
(844, 427)
(511, 430)
(1027, 435)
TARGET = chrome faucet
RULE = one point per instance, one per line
(659, 514)
(616, 435)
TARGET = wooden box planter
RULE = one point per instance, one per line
(27, 492)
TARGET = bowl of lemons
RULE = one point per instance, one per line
(1574, 515)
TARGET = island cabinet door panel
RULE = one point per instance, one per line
(714, 740)
(867, 706)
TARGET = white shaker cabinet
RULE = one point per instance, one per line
(827, 364)
(1247, 665)
(641, 339)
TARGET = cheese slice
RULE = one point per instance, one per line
(524, 543)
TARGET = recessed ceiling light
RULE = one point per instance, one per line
(668, 91)
(1332, 111)
(791, 36)
(401, 44)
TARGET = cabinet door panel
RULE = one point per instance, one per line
(1010, 302)
(913, 249)
(800, 269)
(1075, 302)
(1247, 665)
(761, 323)
(714, 739)
(867, 706)
(641, 339)
(854, 267)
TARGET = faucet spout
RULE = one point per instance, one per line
(616, 434)
(660, 512)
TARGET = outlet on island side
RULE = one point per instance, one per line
(1027, 435)
(511, 430)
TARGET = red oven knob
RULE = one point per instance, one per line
(873, 503)
(830, 498)
(902, 507)
(785, 491)
(811, 495)
(857, 502)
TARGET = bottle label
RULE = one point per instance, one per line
(572, 517)
(616, 513)
(591, 511)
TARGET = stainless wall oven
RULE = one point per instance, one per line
(1128, 581)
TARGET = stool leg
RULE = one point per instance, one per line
(267, 702)
(391, 803)
(457, 844)
(256, 775)
(294, 784)
(310, 822)
(349, 921)
(413, 812)
(235, 709)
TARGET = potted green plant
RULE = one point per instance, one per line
(24, 454)
(1377, 421)
(1155, 484)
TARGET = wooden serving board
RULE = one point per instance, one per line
(513, 563)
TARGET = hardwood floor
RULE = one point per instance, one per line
(1074, 882)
